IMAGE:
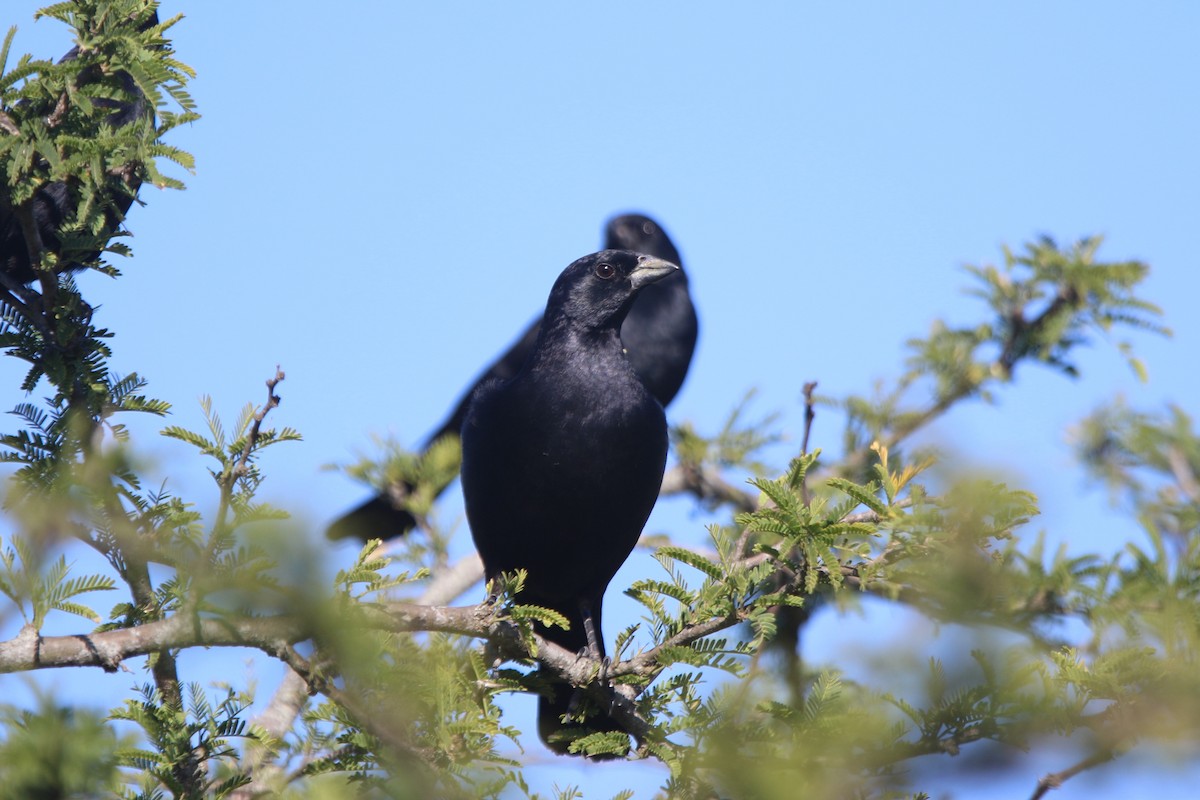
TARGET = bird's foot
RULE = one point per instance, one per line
(492, 588)
(594, 648)
(604, 665)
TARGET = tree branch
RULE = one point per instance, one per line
(1056, 779)
(706, 483)
(450, 583)
(646, 664)
(1183, 473)
(252, 439)
(276, 720)
(240, 467)
(107, 649)
(34, 247)
(381, 726)
(810, 414)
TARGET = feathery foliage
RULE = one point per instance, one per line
(1091, 653)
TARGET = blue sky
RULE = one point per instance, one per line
(386, 191)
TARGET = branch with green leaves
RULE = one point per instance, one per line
(817, 546)
(1045, 303)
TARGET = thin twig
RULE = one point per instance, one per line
(706, 483)
(809, 415)
(34, 247)
(646, 664)
(276, 720)
(55, 118)
(872, 516)
(1183, 473)
(252, 439)
(1056, 779)
(450, 583)
(317, 679)
(242, 465)
(1015, 347)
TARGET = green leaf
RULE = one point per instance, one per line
(865, 495)
(692, 559)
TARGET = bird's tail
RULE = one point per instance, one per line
(433, 470)
(376, 518)
(567, 700)
(562, 700)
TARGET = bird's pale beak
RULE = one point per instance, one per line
(650, 269)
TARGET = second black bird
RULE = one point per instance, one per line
(659, 334)
(562, 463)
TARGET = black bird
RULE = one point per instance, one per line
(562, 462)
(659, 334)
(53, 203)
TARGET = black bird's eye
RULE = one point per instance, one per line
(605, 271)
(648, 227)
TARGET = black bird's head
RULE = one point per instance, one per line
(640, 234)
(596, 291)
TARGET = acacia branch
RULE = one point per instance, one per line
(1056, 779)
(252, 439)
(276, 720)
(241, 466)
(646, 664)
(59, 113)
(482, 621)
(449, 584)
(706, 483)
(275, 636)
(107, 649)
(281, 712)
(1018, 343)
(392, 736)
(1184, 475)
(34, 247)
(810, 414)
